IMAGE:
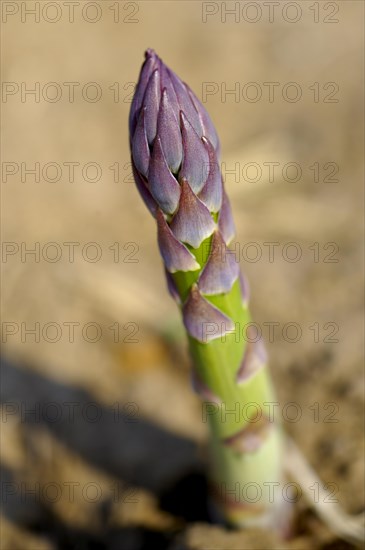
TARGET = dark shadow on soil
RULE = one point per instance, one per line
(120, 443)
(134, 450)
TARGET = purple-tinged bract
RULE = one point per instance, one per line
(140, 149)
(195, 162)
(192, 223)
(168, 131)
(164, 187)
(202, 320)
(175, 255)
(211, 194)
(225, 220)
(221, 270)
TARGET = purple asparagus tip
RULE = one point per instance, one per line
(175, 158)
(173, 140)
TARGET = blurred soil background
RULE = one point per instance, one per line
(113, 454)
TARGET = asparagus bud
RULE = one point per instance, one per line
(175, 156)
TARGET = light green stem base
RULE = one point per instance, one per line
(236, 474)
(247, 485)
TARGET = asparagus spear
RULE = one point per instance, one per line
(175, 155)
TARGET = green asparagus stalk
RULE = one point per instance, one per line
(175, 154)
